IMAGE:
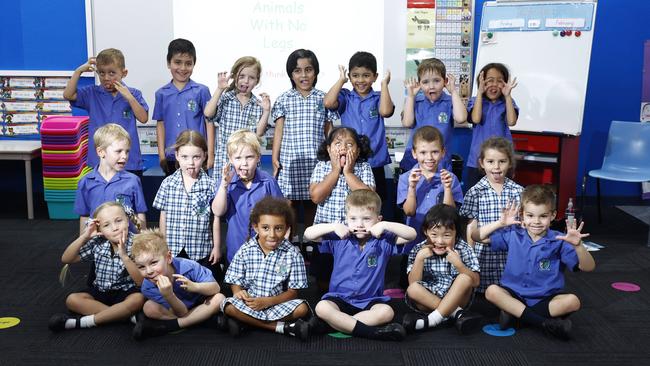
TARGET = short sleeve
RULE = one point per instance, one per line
(469, 258)
(402, 188)
(151, 292)
(469, 208)
(279, 109)
(568, 256)
(236, 273)
(342, 100)
(365, 174)
(500, 238)
(160, 202)
(412, 254)
(86, 251)
(158, 112)
(204, 96)
(456, 189)
(84, 94)
(320, 171)
(200, 273)
(332, 115)
(138, 197)
(298, 275)
(138, 96)
(221, 105)
(81, 206)
(327, 243)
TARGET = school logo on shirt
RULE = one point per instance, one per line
(545, 265)
(373, 113)
(320, 107)
(372, 260)
(251, 121)
(126, 114)
(282, 268)
(443, 117)
(191, 105)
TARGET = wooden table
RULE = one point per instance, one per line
(25, 150)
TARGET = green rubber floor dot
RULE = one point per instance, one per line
(339, 335)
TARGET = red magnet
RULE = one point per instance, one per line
(567, 32)
(578, 33)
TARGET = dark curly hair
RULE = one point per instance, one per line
(363, 143)
(273, 206)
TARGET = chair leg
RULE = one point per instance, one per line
(600, 217)
(582, 196)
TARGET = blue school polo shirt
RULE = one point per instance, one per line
(358, 276)
(534, 270)
(93, 190)
(493, 123)
(181, 110)
(105, 108)
(362, 114)
(188, 268)
(438, 114)
(240, 204)
(427, 194)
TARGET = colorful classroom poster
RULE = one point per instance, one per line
(645, 84)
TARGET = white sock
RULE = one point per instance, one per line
(279, 327)
(453, 313)
(87, 321)
(71, 323)
(132, 319)
(435, 318)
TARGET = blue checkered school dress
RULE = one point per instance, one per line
(303, 132)
(187, 214)
(267, 275)
(232, 116)
(437, 273)
(333, 208)
(484, 204)
(110, 272)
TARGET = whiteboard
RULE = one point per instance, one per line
(222, 31)
(552, 71)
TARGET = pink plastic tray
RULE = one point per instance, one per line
(63, 125)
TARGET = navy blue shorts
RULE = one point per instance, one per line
(347, 308)
(541, 307)
(110, 297)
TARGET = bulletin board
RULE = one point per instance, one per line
(442, 29)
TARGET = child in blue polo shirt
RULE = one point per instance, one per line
(491, 112)
(243, 184)
(432, 107)
(112, 101)
(109, 181)
(179, 104)
(427, 183)
(443, 272)
(532, 286)
(184, 203)
(364, 109)
(180, 292)
(355, 303)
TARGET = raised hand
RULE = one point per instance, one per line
(414, 177)
(506, 88)
(350, 160)
(425, 252)
(386, 79)
(451, 83)
(122, 90)
(227, 173)
(121, 243)
(90, 65)
(266, 102)
(92, 229)
(481, 83)
(377, 229)
(573, 235)
(343, 74)
(509, 214)
(186, 283)
(446, 178)
(412, 86)
(164, 286)
(453, 257)
(223, 79)
(334, 158)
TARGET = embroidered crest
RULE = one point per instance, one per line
(191, 105)
(545, 264)
(282, 268)
(373, 113)
(126, 114)
(443, 117)
(372, 260)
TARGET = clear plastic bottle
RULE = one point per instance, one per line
(570, 214)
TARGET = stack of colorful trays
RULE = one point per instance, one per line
(65, 146)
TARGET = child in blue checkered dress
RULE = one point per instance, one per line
(184, 203)
(234, 106)
(301, 124)
(266, 274)
(484, 201)
(442, 273)
(113, 295)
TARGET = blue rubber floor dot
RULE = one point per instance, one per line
(494, 330)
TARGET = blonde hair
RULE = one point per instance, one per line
(365, 198)
(149, 241)
(111, 56)
(131, 216)
(109, 133)
(243, 137)
(240, 64)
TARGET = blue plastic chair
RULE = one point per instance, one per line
(627, 155)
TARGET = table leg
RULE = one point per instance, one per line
(28, 182)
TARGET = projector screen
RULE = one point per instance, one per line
(270, 30)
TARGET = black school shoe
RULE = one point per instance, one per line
(221, 321)
(319, 326)
(389, 332)
(467, 321)
(558, 328)
(409, 320)
(298, 329)
(146, 327)
(235, 328)
(57, 322)
(506, 320)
